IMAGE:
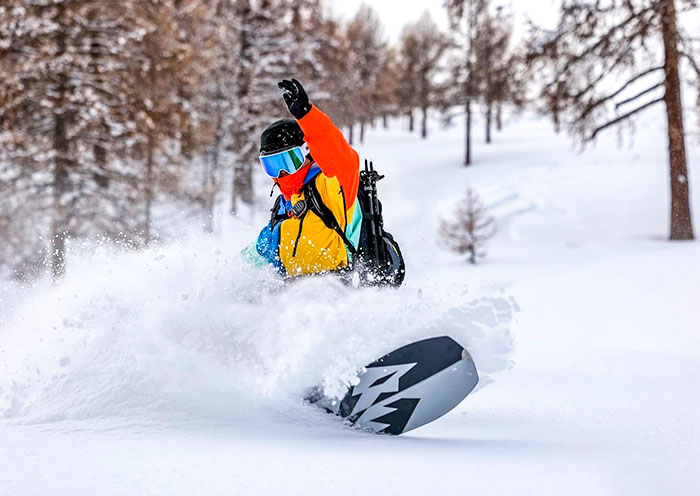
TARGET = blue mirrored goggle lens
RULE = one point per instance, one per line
(289, 161)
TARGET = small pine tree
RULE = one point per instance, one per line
(471, 229)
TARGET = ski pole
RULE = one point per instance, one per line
(371, 193)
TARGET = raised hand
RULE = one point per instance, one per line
(295, 97)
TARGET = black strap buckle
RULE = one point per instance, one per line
(299, 209)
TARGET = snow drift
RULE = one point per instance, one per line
(190, 330)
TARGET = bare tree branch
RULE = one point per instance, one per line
(606, 37)
(597, 103)
(632, 80)
(623, 117)
(638, 95)
(693, 62)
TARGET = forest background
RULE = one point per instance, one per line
(119, 121)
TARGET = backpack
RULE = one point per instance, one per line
(377, 259)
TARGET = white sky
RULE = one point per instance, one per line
(396, 13)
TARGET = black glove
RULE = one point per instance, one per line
(295, 97)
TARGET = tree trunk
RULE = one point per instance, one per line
(385, 121)
(362, 131)
(468, 157)
(234, 188)
(351, 134)
(499, 116)
(242, 186)
(209, 178)
(472, 254)
(471, 26)
(424, 123)
(411, 124)
(59, 227)
(681, 221)
(207, 200)
(59, 221)
(148, 184)
(489, 116)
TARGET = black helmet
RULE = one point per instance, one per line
(281, 135)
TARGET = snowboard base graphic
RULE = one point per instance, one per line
(407, 388)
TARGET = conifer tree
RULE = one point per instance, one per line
(79, 98)
(334, 97)
(366, 48)
(499, 76)
(407, 87)
(264, 59)
(165, 72)
(388, 86)
(465, 17)
(217, 89)
(307, 18)
(65, 109)
(596, 45)
(423, 47)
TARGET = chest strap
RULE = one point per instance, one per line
(316, 205)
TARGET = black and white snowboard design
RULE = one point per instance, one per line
(409, 387)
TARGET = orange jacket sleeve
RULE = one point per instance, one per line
(332, 153)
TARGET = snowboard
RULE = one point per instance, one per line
(407, 388)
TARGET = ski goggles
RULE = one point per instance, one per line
(289, 161)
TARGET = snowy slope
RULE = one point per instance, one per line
(180, 370)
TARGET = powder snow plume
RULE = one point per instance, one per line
(190, 329)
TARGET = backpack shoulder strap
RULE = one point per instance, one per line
(276, 216)
(316, 205)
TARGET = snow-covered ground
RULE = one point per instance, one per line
(181, 370)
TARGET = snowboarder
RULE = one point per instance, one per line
(308, 157)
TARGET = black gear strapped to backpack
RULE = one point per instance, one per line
(377, 258)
